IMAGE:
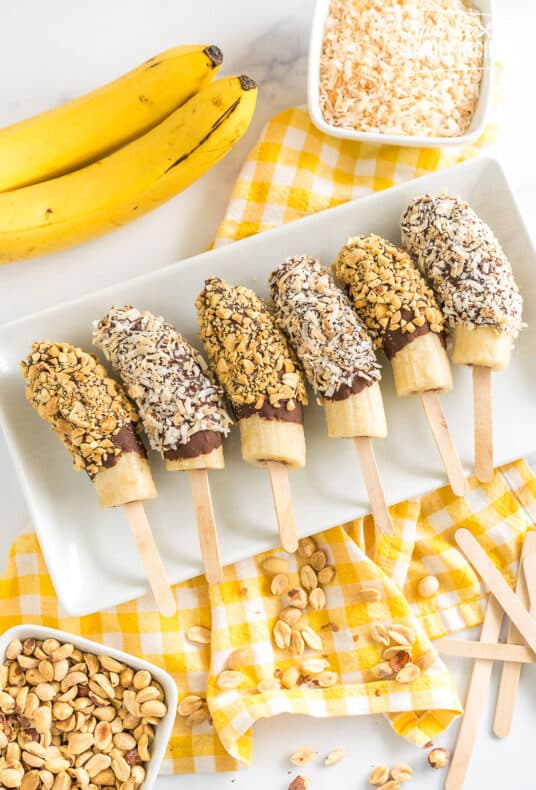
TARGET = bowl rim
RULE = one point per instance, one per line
(163, 730)
(483, 106)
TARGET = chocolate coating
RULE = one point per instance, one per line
(201, 443)
(128, 441)
(269, 412)
(344, 391)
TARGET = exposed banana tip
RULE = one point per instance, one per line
(246, 83)
(214, 54)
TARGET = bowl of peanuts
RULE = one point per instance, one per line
(75, 714)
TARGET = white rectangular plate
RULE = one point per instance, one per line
(90, 552)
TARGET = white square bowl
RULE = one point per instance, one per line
(162, 730)
(313, 93)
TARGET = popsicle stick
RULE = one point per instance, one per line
(483, 423)
(529, 566)
(513, 607)
(440, 430)
(490, 651)
(373, 484)
(511, 671)
(283, 505)
(475, 700)
(206, 525)
(154, 568)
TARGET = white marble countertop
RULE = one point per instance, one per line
(50, 52)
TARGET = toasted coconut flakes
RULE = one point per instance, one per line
(402, 66)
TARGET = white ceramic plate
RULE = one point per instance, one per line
(90, 552)
(164, 728)
(313, 94)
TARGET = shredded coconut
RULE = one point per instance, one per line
(409, 67)
(167, 378)
(331, 342)
(463, 262)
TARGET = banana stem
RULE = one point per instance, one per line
(206, 525)
(483, 423)
(440, 431)
(283, 505)
(373, 484)
(154, 567)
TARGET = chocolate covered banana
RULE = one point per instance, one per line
(471, 276)
(332, 345)
(94, 419)
(180, 404)
(403, 318)
(257, 370)
(399, 311)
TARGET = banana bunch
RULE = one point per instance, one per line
(111, 156)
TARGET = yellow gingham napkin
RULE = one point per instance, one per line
(241, 611)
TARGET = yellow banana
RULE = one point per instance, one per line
(114, 190)
(85, 129)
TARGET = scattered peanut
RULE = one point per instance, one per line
(303, 756)
(306, 547)
(300, 783)
(297, 598)
(199, 634)
(282, 634)
(274, 565)
(379, 634)
(290, 677)
(438, 758)
(308, 578)
(280, 584)
(297, 645)
(408, 674)
(317, 599)
(311, 638)
(428, 586)
(335, 756)
(318, 560)
(326, 575)
(402, 772)
(379, 775)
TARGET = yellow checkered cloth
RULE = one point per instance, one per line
(295, 170)
(241, 612)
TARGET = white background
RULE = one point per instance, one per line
(52, 51)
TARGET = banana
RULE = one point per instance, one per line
(484, 346)
(272, 440)
(422, 365)
(129, 480)
(128, 183)
(85, 129)
(359, 415)
(212, 460)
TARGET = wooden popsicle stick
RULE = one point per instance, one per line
(373, 484)
(148, 550)
(513, 607)
(490, 651)
(529, 566)
(283, 505)
(511, 671)
(206, 525)
(483, 423)
(440, 431)
(475, 700)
